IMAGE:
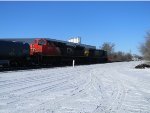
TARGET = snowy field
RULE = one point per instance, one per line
(100, 88)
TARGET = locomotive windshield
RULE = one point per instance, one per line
(42, 42)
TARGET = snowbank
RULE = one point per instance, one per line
(101, 88)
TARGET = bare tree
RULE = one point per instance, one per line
(128, 57)
(145, 47)
(120, 56)
(109, 47)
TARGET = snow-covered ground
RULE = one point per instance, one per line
(100, 88)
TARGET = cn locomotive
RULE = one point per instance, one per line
(42, 51)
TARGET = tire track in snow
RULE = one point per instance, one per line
(44, 89)
(36, 84)
(137, 101)
(27, 80)
(79, 91)
(94, 83)
(113, 104)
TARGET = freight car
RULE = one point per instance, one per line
(13, 53)
(48, 52)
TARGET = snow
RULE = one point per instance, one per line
(100, 88)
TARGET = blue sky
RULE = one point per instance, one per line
(122, 23)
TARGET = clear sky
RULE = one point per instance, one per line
(122, 23)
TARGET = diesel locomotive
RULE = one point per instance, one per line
(42, 51)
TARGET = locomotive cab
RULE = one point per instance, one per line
(44, 48)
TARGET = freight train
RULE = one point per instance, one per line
(44, 51)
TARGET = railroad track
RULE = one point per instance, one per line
(2, 69)
(5, 69)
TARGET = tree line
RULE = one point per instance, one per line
(145, 47)
(113, 55)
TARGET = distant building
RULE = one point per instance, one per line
(75, 40)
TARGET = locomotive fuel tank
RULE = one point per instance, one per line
(67, 51)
